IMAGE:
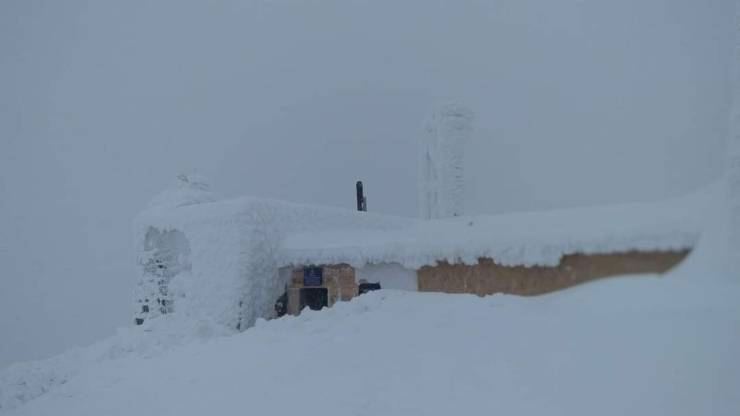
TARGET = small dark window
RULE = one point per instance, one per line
(145, 308)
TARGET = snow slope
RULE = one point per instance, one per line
(641, 346)
(631, 345)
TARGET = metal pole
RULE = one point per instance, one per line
(361, 200)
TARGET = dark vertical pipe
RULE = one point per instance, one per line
(361, 201)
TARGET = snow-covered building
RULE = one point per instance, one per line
(231, 261)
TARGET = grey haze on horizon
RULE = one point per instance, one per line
(103, 103)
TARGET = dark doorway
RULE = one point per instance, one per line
(314, 297)
(281, 305)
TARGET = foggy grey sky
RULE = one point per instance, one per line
(103, 103)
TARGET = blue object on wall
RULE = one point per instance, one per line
(313, 276)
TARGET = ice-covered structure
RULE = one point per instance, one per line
(228, 262)
(441, 162)
(733, 160)
(219, 260)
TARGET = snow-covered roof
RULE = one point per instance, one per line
(530, 238)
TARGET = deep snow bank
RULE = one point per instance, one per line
(622, 346)
(666, 342)
(23, 382)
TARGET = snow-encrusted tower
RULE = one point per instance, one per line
(733, 191)
(733, 160)
(441, 161)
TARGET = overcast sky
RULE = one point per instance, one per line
(103, 102)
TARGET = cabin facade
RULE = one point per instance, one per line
(321, 286)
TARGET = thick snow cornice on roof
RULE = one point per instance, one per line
(528, 239)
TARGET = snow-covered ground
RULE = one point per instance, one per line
(639, 346)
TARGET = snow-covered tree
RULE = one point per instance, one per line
(441, 164)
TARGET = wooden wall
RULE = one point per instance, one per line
(487, 277)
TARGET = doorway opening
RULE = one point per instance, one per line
(314, 298)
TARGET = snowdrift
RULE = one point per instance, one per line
(638, 345)
(624, 346)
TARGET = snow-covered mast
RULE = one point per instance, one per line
(441, 161)
(733, 161)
